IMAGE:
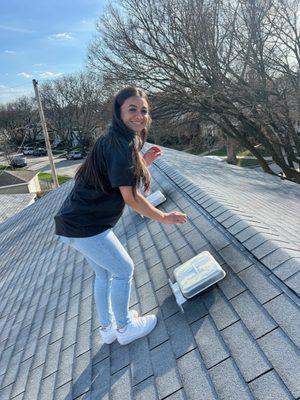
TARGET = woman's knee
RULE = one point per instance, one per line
(126, 269)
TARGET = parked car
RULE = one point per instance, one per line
(18, 162)
(28, 151)
(40, 151)
(74, 155)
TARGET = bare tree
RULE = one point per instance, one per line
(231, 63)
(73, 106)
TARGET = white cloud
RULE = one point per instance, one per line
(61, 36)
(12, 93)
(15, 29)
(49, 74)
(38, 65)
(10, 52)
(25, 75)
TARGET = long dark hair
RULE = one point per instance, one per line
(90, 171)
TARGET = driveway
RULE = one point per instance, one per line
(63, 166)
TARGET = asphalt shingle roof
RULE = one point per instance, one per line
(16, 177)
(238, 340)
(10, 204)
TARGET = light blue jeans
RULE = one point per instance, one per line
(114, 270)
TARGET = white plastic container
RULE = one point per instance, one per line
(197, 274)
(156, 198)
(194, 276)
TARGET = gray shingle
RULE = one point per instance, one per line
(167, 301)
(194, 309)
(63, 392)
(140, 363)
(196, 240)
(165, 370)
(203, 224)
(247, 355)
(264, 249)
(284, 356)
(259, 284)
(85, 309)
(141, 275)
(83, 342)
(210, 343)
(21, 378)
(145, 390)
(119, 358)
(159, 276)
(64, 373)
(220, 309)
(294, 283)
(159, 333)
(169, 257)
(152, 257)
(70, 332)
(276, 258)
(82, 376)
(192, 370)
(224, 373)
(121, 385)
(179, 395)
(287, 315)
(33, 383)
(231, 285)
(101, 380)
(253, 315)
(235, 258)
(269, 387)
(217, 239)
(181, 337)
(47, 387)
(287, 268)
(147, 298)
(73, 309)
(5, 392)
(99, 350)
(52, 360)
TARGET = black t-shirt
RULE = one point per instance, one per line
(88, 211)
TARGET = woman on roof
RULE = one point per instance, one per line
(109, 178)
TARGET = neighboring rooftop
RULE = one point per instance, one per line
(15, 177)
(238, 340)
(10, 204)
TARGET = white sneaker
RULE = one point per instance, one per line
(108, 334)
(136, 328)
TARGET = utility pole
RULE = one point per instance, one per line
(45, 131)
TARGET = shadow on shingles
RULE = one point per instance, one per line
(83, 388)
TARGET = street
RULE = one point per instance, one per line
(63, 166)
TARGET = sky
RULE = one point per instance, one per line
(42, 39)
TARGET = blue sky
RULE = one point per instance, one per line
(43, 39)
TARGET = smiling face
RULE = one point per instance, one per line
(134, 113)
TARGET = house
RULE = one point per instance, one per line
(10, 204)
(24, 181)
(238, 340)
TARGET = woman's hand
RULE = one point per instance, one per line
(151, 154)
(175, 217)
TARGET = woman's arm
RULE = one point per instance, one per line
(142, 206)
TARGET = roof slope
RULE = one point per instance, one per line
(238, 340)
(16, 177)
(10, 204)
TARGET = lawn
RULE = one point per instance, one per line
(45, 176)
(251, 163)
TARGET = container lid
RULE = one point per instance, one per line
(197, 271)
(156, 198)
